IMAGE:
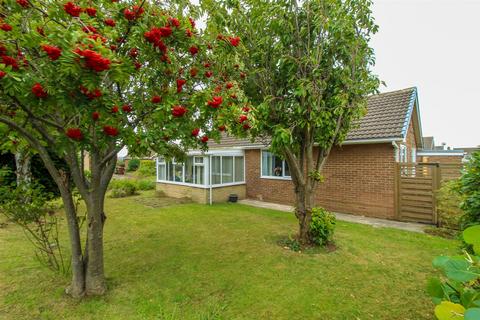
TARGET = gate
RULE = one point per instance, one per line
(415, 194)
(415, 188)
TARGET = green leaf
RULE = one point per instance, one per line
(435, 288)
(460, 270)
(472, 314)
(449, 311)
(471, 235)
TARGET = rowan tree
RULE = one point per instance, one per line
(308, 74)
(94, 76)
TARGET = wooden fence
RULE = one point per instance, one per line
(415, 189)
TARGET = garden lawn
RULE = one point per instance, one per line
(192, 261)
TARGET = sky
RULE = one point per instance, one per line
(433, 45)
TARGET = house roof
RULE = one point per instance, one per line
(388, 118)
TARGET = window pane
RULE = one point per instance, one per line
(178, 168)
(266, 163)
(199, 174)
(189, 170)
(227, 169)
(198, 160)
(287, 170)
(239, 169)
(277, 166)
(162, 172)
(161, 159)
(216, 174)
(170, 171)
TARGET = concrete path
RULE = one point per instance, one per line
(375, 222)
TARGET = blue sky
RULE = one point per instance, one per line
(435, 46)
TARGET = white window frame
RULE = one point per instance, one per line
(282, 177)
(414, 154)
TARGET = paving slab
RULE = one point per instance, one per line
(375, 222)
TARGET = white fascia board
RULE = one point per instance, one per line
(436, 153)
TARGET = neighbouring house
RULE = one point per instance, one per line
(439, 154)
(360, 175)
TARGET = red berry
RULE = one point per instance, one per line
(221, 128)
(74, 134)
(234, 41)
(23, 3)
(204, 139)
(92, 12)
(2, 74)
(195, 132)
(180, 84)
(193, 50)
(38, 91)
(110, 131)
(114, 109)
(156, 99)
(178, 111)
(95, 115)
(53, 52)
(110, 22)
(208, 74)
(126, 108)
(215, 102)
(242, 118)
(5, 27)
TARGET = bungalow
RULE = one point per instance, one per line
(359, 174)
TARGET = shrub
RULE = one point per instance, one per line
(448, 205)
(133, 165)
(469, 190)
(147, 168)
(145, 184)
(122, 188)
(31, 207)
(322, 226)
(457, 292)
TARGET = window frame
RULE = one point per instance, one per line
(282, 177)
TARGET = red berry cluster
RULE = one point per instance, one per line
(38, 91)
(94, 60)
(74, 134)
(53, 52)
(178, 111)
(215, 102)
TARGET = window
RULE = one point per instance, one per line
(403, 153)
(274, 166)
(239, 169)
(227, 169)
(414, 154)
(192, 171)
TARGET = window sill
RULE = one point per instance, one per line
(276, 178)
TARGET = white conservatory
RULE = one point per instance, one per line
(204, 177)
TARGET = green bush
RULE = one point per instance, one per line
(122, 188)
(322, 226)
(147, 168)
(133, 165)
(448, 205)
(145, 184)
(457, 293)
(469, 190)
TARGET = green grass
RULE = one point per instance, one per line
(193, 261)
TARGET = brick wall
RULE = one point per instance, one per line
(359, 179)
(441, 159)
(410, 140)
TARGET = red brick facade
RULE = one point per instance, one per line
(359, 179)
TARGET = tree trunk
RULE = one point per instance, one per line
(304, 198)
(94, 276)
(77, 286)
(23, 166)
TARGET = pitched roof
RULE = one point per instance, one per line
(388, 117)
